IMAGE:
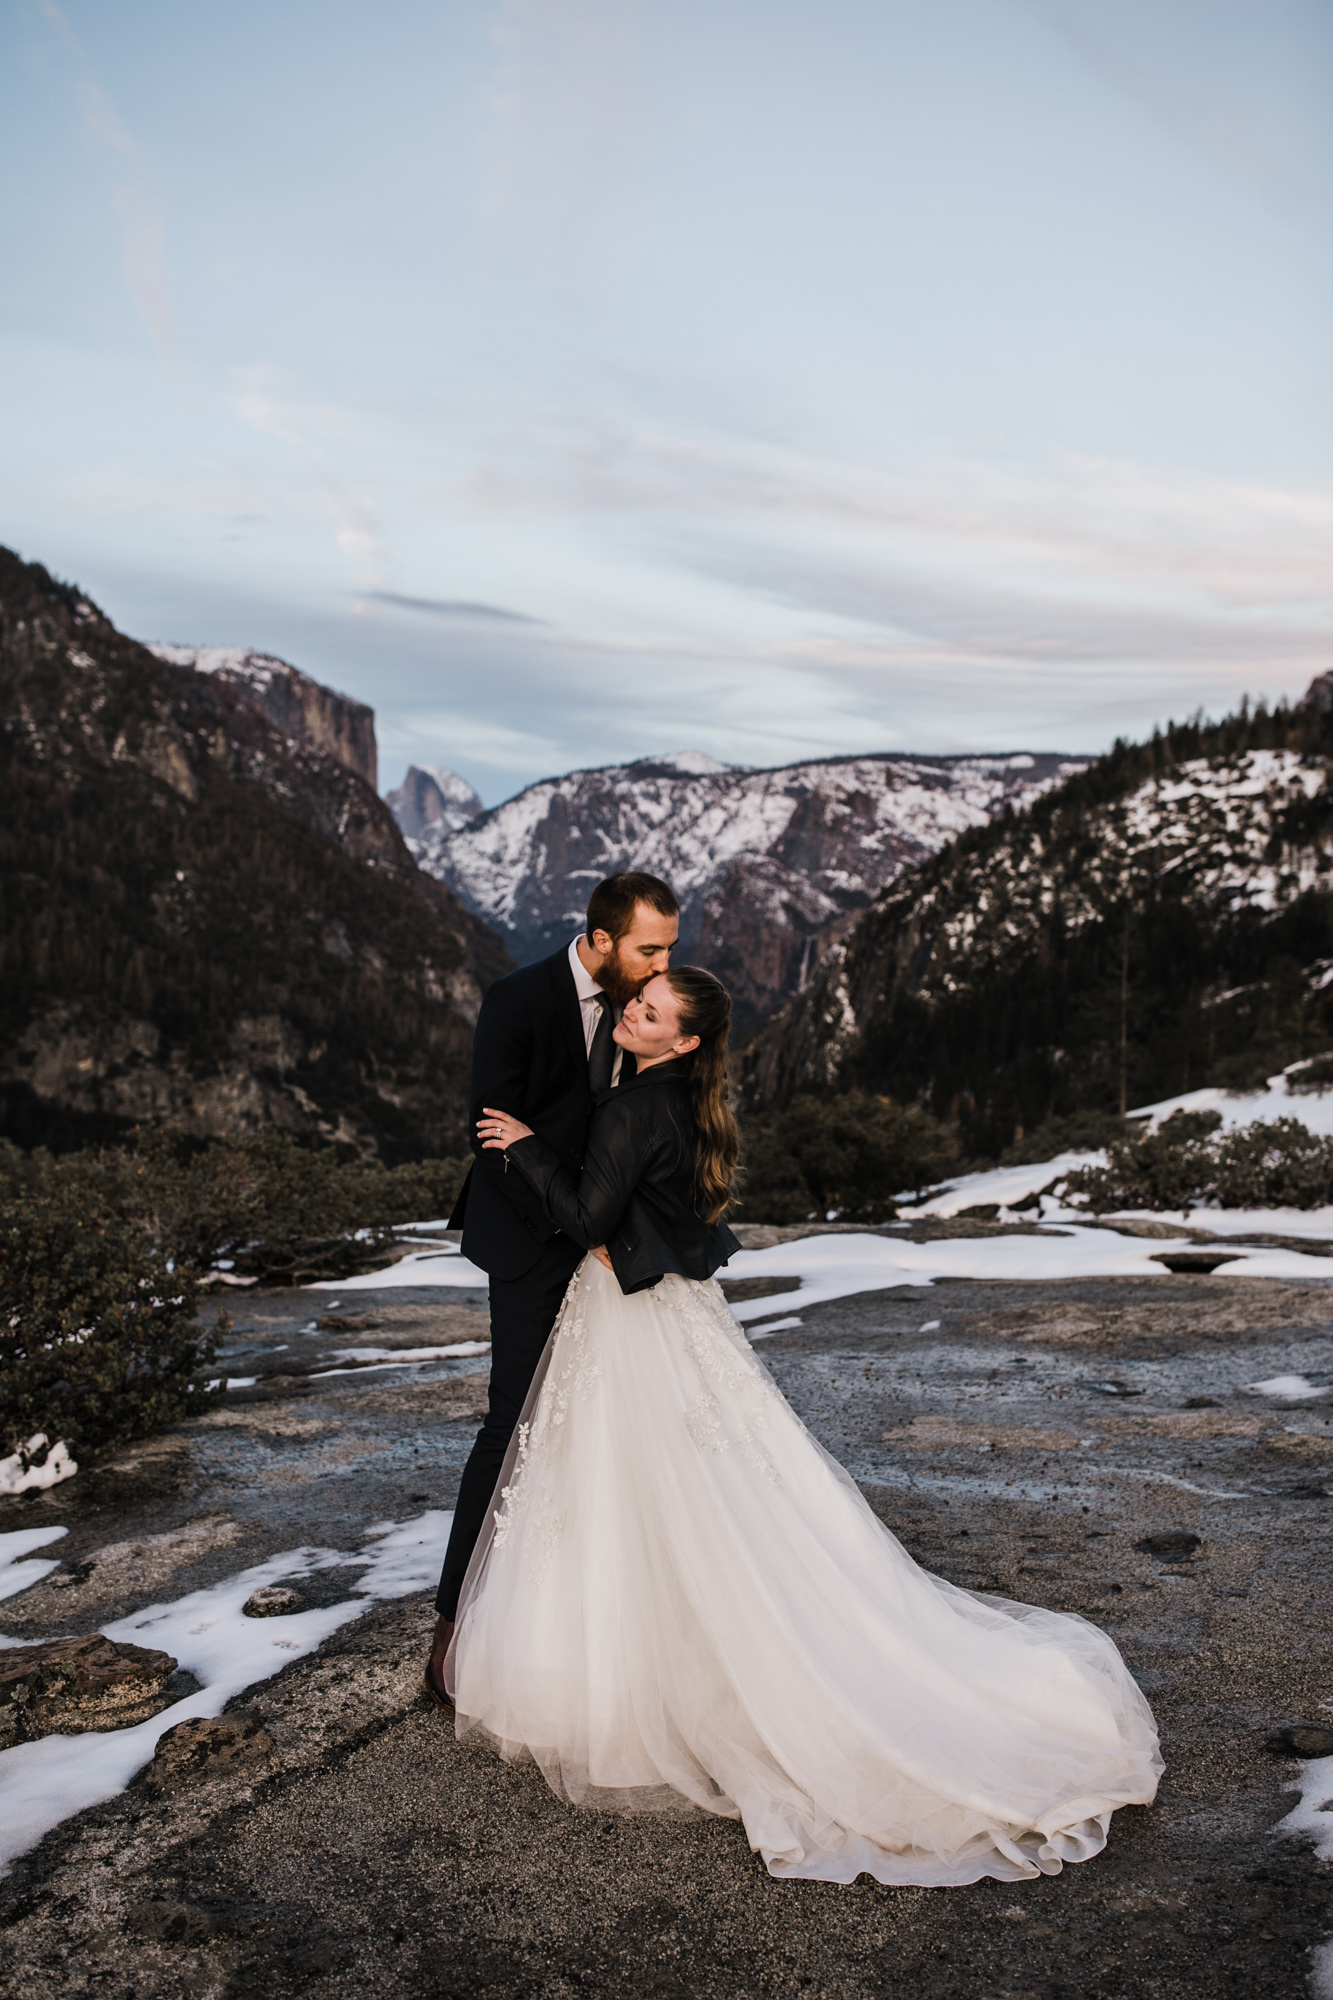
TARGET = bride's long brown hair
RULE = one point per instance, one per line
(704, 1006)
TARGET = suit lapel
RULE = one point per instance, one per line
(568, 1012)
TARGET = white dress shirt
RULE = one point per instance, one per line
(590, 1004)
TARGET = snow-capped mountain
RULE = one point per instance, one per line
(431, 796)
(302, 708)
(1162, 922)
(770, 865)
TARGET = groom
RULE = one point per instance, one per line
(543, 1051)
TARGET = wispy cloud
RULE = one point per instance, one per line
(1057, 531)
(447, 607)
(134, 196)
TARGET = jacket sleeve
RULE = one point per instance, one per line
(501, 1065)
(588, 1209)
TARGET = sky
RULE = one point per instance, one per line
(579, 380)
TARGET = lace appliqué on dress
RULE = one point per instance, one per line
(725, 1361)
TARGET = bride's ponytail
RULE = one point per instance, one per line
(705, 1010)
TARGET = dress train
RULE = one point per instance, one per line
(681, 1597)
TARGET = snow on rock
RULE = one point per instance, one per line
(446, 1266)
(1313, 1817)
(207, 1631)
(1287, 1389)
(835, 1267)
(36, 1466)
(1003, 1186)
(17, 1575)
(364, 1360)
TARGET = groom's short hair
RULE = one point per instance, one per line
(612, 903)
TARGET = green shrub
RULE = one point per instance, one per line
(846, 1156)
(261, 1206)
(99, 1340)
(1314, 1075)
(1277, 1165)
(1186, 1163)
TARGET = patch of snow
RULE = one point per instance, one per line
(34, 1468)
(1316, 1223)
(688, 763)
(45, 1782)
(1321, 1967)
(1311, 1818)
(372, 1359)
(835, 1267)
(16, 1575)
(407, 1557)
(776, 1326)
(841, 1265)
(455, 791)
(1286, 1388)
(1003, 1185)
(445, 1266)
(1314, 1814)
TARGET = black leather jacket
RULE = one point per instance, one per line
(636, 1190)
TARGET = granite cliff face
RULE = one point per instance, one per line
(1160, 922)
(333, 724)
(430, 797)
(771, 867)
(205, 918)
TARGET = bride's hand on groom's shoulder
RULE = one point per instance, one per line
(497, 1129)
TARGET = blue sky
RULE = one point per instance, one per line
(581, 379)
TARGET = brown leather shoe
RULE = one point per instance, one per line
(438, 1695)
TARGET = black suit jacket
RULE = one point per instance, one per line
(636, 1191)
(530, 1059)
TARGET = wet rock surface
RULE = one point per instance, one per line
(208, 1747)
(272, 1602)
(366, 1850)
(72, 1685)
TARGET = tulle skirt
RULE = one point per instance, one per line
(682, 1602)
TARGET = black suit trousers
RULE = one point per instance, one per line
(523, 1311)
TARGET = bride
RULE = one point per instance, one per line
(683, 1601)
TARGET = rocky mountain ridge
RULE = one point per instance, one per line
(204, 918)
(1160, 922)
(771, 866)
(300, 707)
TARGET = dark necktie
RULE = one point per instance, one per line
(602, 1054)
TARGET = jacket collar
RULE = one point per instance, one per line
(675, 1071)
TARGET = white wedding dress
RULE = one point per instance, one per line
(681, 1597)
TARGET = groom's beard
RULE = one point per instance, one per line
(617, 980)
